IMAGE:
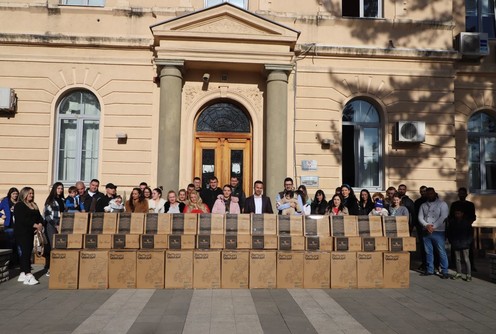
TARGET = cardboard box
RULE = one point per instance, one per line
(395, 226)
(290, 270)
(179, 269)
(154, 241)
(263, 272)
(290, 225)
(150, 269)
(93, 269)
(235, 269)
(184, 223)
(264, 242)
(405, 244)
(374, 244)
(239, 241)
(316, 226)
(352, 244)
(344, 226)
(103, 223)
(291, 242)
(396, 270)
(315, 243)
(131, 223)
(317, 270)
(210, 241)
(64, 269)
(369, 270)
(74, 222)
(125, 241)
(206, 269)
(97, 241)
(67, 241)
(369, 226)
(210, 223)
(158, 223)
(238, 223)
(263, 224)
(343, 270)
(185, 241)
(122, 269)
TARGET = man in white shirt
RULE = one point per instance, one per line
(258, 202)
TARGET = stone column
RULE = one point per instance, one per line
(171, 83)
(276, 129)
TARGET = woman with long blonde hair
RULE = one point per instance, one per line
(195, 204)
(27, 220)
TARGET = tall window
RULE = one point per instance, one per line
(362, 145)
(480, 17)
(78, 123)
(482, 152)
(239, 3)
(362, 8)
(95, 3)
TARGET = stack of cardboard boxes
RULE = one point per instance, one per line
(132, 250)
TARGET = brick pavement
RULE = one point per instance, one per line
(429, 305)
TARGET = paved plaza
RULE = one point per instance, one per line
(430, 305)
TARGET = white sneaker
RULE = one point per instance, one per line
(47, 273)
(22, 277)
(30, 280)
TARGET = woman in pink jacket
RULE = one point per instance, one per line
(226, 203)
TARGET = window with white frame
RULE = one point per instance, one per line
(78, 128)
(240, 3)
(361, 145)
(362, 8)
(95, 3)
(480, 17)
(482, 152)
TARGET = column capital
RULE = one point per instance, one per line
(279, 67)
(169, 62)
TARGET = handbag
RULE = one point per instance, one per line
(39, 243)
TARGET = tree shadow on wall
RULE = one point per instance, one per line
(400, 32)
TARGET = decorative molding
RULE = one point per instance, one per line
(225, 25)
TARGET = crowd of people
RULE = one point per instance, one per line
(429, 216)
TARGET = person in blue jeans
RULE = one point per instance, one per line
(7, 213)
(432, 216)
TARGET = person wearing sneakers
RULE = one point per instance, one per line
(27, 220)
(432, 215)
(460, 236)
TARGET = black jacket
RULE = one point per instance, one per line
(25, 218)
(318, 208)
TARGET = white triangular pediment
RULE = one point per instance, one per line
(223, 21)
(226, 24)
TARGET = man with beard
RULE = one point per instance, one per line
(408, 203)
(432, 216)
(237, 191)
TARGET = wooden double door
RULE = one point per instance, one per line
(224, 155)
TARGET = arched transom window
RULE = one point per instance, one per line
(362, 145)
(482, 152)
(78, 124)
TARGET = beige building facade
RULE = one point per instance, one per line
(161, 91)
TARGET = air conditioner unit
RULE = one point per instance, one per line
(410, 132)
(7, 99)
(472, 44)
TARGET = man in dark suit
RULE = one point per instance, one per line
(258, 203)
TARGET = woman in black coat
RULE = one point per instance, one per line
(460, 236)
(365, 205)
(319, 204)
(349, 199)
(27, 220)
